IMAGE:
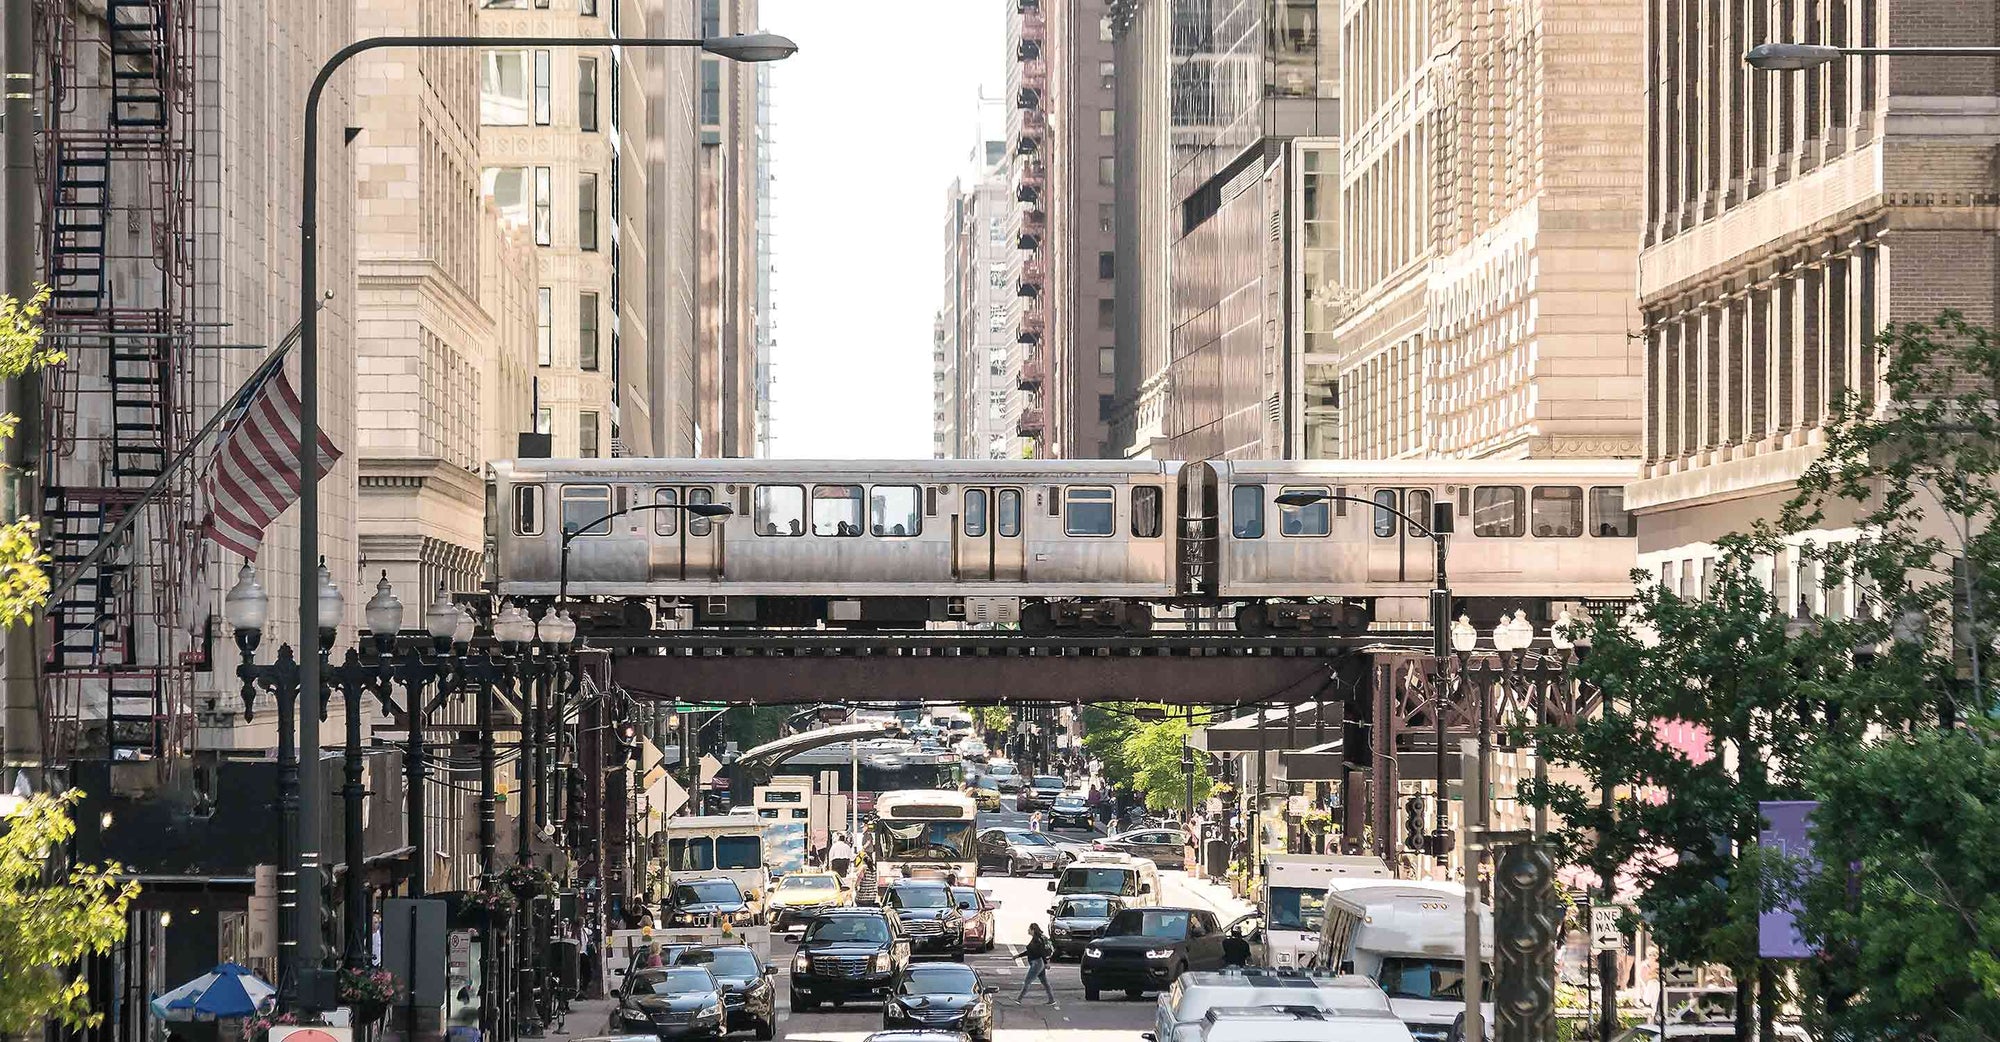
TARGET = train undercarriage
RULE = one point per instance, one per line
(1095, 616)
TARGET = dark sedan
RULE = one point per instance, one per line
(848, 954)
(942, 997)
(1147, 949)
(1041, 792)
(1076, 920)
(929, 915)
(1166, 848)
(1070, 812)
(673, 1003)
(749, 997)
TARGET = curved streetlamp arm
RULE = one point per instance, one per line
(1334, 497)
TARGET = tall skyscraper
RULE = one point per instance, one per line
(728, 252)
(976, 400)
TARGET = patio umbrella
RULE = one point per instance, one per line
(228, 990)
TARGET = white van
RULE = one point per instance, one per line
(1182, 1009)
(1301, 1024)
(1134, 881)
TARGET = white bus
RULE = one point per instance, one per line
(924, 832)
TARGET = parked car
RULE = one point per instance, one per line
(798, 896)
(975, 913)
(704, 901)
(939, 996)
(1166, 848)
(929, 916)
(1041, 792)
(1069, 811)
(1076, 920)
(1786, 1032)
(848, 954)
(985, 792)
(1147, 949)
(671, 1002)
(749, 998)
(1019, 851)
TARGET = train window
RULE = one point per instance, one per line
(527, 510)
(975, 512)
(666, 521)
(1246, 511)
(1313, 519)
(1009, 506)
(1556, 512)
(892, 510)
(930, 501)
(1145, 512)
(1608, 516)
(586, 505)
(1417, 504)
(1090, 511)
(700, 526)
(779, 510)
(1385, 522)
(1496, 511)
(837, 510)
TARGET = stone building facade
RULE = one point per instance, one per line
(728, 256)
(1490, 182)
(1790, 217)
(975, 401)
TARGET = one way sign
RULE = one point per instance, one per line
(1604, 934)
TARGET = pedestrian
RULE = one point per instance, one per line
(839, 854)
(1035, 821)
(1037, 954)
(652, 958)
(1235, 950)
(867, 891)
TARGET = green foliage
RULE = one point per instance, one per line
(47, 922)
(1143, 757)
(24, 586)
(993, 719)
(1913, 933)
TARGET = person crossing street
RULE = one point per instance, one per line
(1037, 953)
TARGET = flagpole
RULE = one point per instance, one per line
(105, 542)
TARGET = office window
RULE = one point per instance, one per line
(542, 88)
(996, 229)
(587, 7)
(586, 94)
(996, 275)
(1107, 217)
(545, 207)
(711, 19)
(1107, 313)
(1107, 361)
(542, 4)
(711, 91)
(1107, 173)
(1105, 405)
(545, 326)
(1107, 75)
(1106, 263)
(544, 421)
(586, 211)
(586, 332)
(504, 89)
(1104, 29)
(503, 5)
(1107, 122)
(586, 434)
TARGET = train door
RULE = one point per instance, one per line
(1397, 550)
(688, 550)
(986, 538)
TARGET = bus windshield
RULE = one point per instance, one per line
(924, 840)
(1296, 908)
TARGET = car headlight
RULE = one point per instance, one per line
(711, 1013)
(879, 962)
(1092, 953)
(1159, 953)
(801, 962)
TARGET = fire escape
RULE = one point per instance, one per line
(1029, 126)
(117, 158)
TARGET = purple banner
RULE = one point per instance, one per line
(1790, 834)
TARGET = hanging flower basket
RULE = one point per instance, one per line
(1316, 820)
(528, 881)
(368, 992)
(498, 904)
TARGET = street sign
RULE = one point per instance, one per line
(709, 766)
(675, 798)
(1604, 933)
(1680, 975)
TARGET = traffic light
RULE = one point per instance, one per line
(1413, 823)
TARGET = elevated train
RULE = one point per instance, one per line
(1055, 545)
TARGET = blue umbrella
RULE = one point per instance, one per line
(228, 990)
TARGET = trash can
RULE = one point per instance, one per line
(1215, 858)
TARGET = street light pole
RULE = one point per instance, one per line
(1798, 57)
(755, 47)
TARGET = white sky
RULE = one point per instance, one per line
(873, 118)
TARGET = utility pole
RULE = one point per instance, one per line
(23, 719)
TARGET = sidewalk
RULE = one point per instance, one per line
(587, 1017)
(1201, 892)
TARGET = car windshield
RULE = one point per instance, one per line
(868, 928)
(1135, 922)
(1296, 908)
(918, 897)
(1048, 781)
(987, 783)
(1069, 801)
(938, 980)
(1419, 978)
(674, 981)
(1000, 770)
(1088, 907)
(809, 884)
(707, 891)
(1031, 839)
(1121, 882)
(965, 897)
(723, 962)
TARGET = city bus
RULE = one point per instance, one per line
(707, 845)
(925, 832)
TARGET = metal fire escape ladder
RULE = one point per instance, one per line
(138, 41)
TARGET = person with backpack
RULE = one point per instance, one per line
(1037, 953)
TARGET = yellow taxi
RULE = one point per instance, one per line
(797, 896)
(985, 793)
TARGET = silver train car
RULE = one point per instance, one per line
(1055, 545)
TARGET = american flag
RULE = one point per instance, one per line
(254, 475)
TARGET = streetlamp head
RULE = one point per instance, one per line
(1561, 632)
(1464, 637)
(709, 509)
(246, 607)
(332, 606)
(1790, 57)
(467, 626)
(441, 620)
(384, 611)
(1300, 498)
(751, 47)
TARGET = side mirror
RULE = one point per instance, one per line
(770, 970)
(989, 990)
(1147, 888)
(1149, 1036)
(1052, 886)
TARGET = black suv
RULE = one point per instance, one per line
(929, 915)
(848, 954)
(1041, 792)
(1070, 811)
(1147, 949)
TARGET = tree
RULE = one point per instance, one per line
(48, 920)
(1153, 757)
(24, 586)
(1906, 901)
(994, 719)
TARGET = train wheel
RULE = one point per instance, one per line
(1138, 619)
(1251, 621)
(1037, 620)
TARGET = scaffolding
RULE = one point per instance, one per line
(117, 160)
